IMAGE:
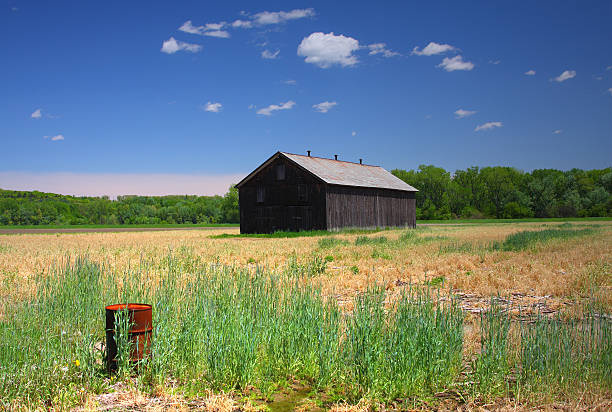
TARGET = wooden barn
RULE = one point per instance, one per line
(292, 192)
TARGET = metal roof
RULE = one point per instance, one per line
(338, 172)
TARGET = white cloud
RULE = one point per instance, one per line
(353, 133)
(37, 114)
(172, 46)
(455, 63)
(558, 131)
(212, 107)
(222, 34)
(598, 77)
(325, 50)
(267, 17)
(494, 61)
(488, 126)
(210, 29)
(566, 75)
(267, 111)
(530, 72)
(609, 68)
(187, 27)
(214, 26)
(242, 24)
(433, 48)
(381, 48)
(610, 90)
(290, 82)
(324, 107)
(252, 106)
(113, 185)
(461, 113)
(267, 54)
(55, 138)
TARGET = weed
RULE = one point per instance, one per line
(365, 240)
(457, 247)
(330, 242)
(492, 366)
(377, 254)
(524, 239)
(436, 282)
(557, 354)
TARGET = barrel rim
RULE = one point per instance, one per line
(132, 307)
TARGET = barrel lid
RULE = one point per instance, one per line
(129, 306)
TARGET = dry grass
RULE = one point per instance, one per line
(560, 270)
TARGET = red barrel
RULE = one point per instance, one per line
(141, 326)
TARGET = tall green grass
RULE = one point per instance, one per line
(522, 240)
(414, 349)
(492, 366)
(331, 242)
(365, 240)
(223, 328)
(525, 239)
(556, 354)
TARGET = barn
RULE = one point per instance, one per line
(291, 192)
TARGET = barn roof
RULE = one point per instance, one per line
(342, 173)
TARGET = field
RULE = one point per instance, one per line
(508, 315)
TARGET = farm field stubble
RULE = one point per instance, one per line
(564, 277)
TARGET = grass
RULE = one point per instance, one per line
(493, 365)
(172, 225)
(236, 297)
(521, 240)
(525, 239)
(223, 328)
(521, 220)
(231, 329)
(159, 225)
(365, 240)
(285, 234)
(331, 242)
(557, 354)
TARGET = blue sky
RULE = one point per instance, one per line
(126, 92)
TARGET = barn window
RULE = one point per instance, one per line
(260, 194)
(302, 193)
(280, 172)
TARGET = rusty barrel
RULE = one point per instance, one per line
(141, 326)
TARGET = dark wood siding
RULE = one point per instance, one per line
(276, 199)
(369, 207)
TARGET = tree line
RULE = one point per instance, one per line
(506, 192)
(37, 208)
(488, 192)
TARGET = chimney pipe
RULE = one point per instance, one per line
(335, 157)
(308, 151)
(360, 161)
